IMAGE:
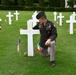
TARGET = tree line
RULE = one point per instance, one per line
(52, 3)
(42, 3)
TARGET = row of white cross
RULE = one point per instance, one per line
(34, 20)
(10, 17)
(71, 21)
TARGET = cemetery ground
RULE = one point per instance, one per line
(15, 63)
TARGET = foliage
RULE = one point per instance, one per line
(4, 2)
(21, 2)
(29, 2)
(41, 2)
(49, 3)
(74, 1)
(62, 3)
(0, 1)
(57, 3)
(70, 3)
(36, 7)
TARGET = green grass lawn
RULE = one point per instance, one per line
(14, 63)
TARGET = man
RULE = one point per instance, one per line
(48, 36)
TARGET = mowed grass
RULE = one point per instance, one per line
(14, 63)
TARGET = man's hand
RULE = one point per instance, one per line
(48, 42)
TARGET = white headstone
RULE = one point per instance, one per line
(66, 4)
(34, 20)
(30, 33)
(55, 16)
(16, 13)
(9, 17)
(60, 17)
(74, 15)
(71, 21)
(0, 19)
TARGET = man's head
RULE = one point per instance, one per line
(41, 17)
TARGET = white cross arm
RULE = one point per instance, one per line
(68, 21)
(71, 21)
(36, 32)
(22, 32)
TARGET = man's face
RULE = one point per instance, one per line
(41, 20)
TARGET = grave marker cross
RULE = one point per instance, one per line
(30, 33)
(74, 15)
(55, 13)
(9, 17)
(0, 19)
(60, 17)
(71, 21)
(16, 13)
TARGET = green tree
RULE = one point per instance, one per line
(35, 1)
(71, 3)
(21, 2)
(4, 2)
(29, 2)
(51, 3)
(62, 3)
(41, 2)
(11, 2)
(16, 2)
(0, 1)
(46, 3)
(57, 3)
(74, 2)
(54, 3)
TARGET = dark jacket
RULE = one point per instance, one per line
(47, 30)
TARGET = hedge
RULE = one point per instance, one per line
(38, 8)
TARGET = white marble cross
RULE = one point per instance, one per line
(55, 16)
(9, 17)
(71, 21)
(74, 15)
(16, 13)
(0, 19)
(29, 31)
(34, 20)
(60, 17)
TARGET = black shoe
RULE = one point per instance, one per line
(53, 63)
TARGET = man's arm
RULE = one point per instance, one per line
(53, 36)
(54, 33)
(36, 26)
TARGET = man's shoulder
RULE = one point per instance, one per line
(48, 21)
